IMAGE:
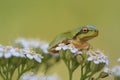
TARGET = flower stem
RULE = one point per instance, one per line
(70, 75)
(67, 63)
(82, 74)
(70, 71)
(25, 70)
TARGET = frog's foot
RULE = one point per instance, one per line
(53, 50)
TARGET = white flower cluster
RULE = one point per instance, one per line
(32, 44)
(71, 47)
(97, 57)
(9, 51)
(116, 70)
(32, 55)
(32, 76)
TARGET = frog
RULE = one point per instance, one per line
(79, 37)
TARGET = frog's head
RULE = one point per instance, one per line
(87, 32)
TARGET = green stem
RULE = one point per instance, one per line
(70, 75)
(2, 76)
(1, 73)
(82, 76)
(22, 72)
(70, 71)
(67, 63)
(46, 70)
(6, 72)
(12, 72)
(90, 76)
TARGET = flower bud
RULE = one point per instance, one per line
(103, 75)
(62, 54)
(79, 59)
(68, 55)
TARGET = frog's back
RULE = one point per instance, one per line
(60, 38)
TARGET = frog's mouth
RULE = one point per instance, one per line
(84, 39)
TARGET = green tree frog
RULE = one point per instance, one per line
(78, 37)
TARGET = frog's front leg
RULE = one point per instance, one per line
(81, 45)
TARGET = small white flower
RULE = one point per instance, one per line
(6, 52)
(90, 58)
(79, 52)
(18, 53)
(32, 76)
(44, 46)
(96, 62)
(61, 46)
(14, 52)
(118, 59)
(33, 43)
(1, 51)
(32, 55)
(38, 58)
(72, 48)
(108, 70)
(29, 53)
(7, 55)
(116, 70)
(53, 77)
(21, 41)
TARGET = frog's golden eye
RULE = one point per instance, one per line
(85, 30)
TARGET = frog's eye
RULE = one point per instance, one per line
(85, 30)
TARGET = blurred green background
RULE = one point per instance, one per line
(44, 19)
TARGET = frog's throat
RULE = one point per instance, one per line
(84, 39)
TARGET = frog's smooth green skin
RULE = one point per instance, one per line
(78, 37)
